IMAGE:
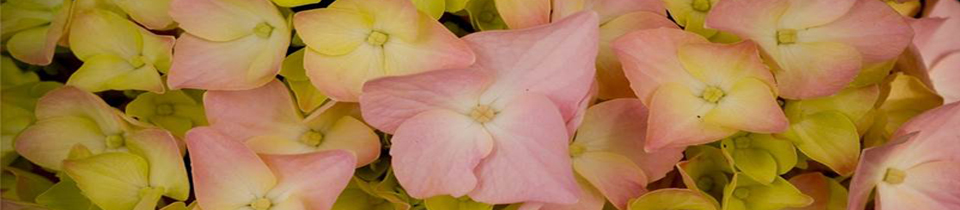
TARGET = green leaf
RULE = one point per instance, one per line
(674, 199)
(828, 137)
(744, 193)
(484, 15)
(434, 8)
(65, 195)
(706, 169)
(760, 156)
(111, 180)
(446, 202)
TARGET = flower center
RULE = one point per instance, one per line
(741, 193)
(482, 113)
(705, 183)
(894, 176)
(576, 150)
(312, 138)
(701, 5)
(137, 61)
(164, 109)
(786, 36)
(741, 142)
(115, 141)
(712, 94)
(261, 204)
(263, 30)
(377, 38)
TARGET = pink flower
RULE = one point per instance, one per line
(354, 41)
(228, 44)
(920, 169)
(495, 131)
(228, 175)
(936, 40)
(816, 47)
(608, 156)
(698, 92)
(266, 120)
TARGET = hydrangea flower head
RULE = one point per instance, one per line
(698, 92)
(500, 133)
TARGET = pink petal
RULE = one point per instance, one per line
(724, 65)
(945, 74)
(877, 31)
(809, 70)
(649, 59)
(315, 179)
(753, 19)
(936, 43)
(241, 115)
(48, 142)
(224, 20)
(590, 198)
(677, 119)
(524, 13)
(241, 64)
(388, 102)
(930, 185)
(617, 177)
(437, 151)
(70, 101)
(799, 14)
(529, 161)
(226, 174)
(619, 126)
(556, 60)
(610, 76)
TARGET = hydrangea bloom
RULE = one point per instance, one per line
(816, 47)
(228, 44)
(698, 92)
(228, 175)
(268, 122)
(918, 169)
(499, 133)
(353, 41)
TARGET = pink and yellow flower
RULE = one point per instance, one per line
(815, 47)
(354, 41)
(228, 44)
(268, 122)
(917, 170)
(499, 133)
(228, 175)
(698, 92)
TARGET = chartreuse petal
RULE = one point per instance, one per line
(12, 75)
(484, 15)
(65, 195)
(760, 156)
(855, 103)
(294, 3)
(907, 97)
(174, 110)
(905, 8)
(308, 96)
(828, 137)
(112, 180)
(103, 72)
(179, 205)
(446, 202)
(674, 199)
(827, 193)
(28, 185)
(20, 15)
(744, 193)
(456, 5)
(16, 112)
(706, 169)
(873, 73)
(434, 8)
(363, 195)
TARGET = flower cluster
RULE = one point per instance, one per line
(480, 104)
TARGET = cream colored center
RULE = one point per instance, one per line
(482, 113)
